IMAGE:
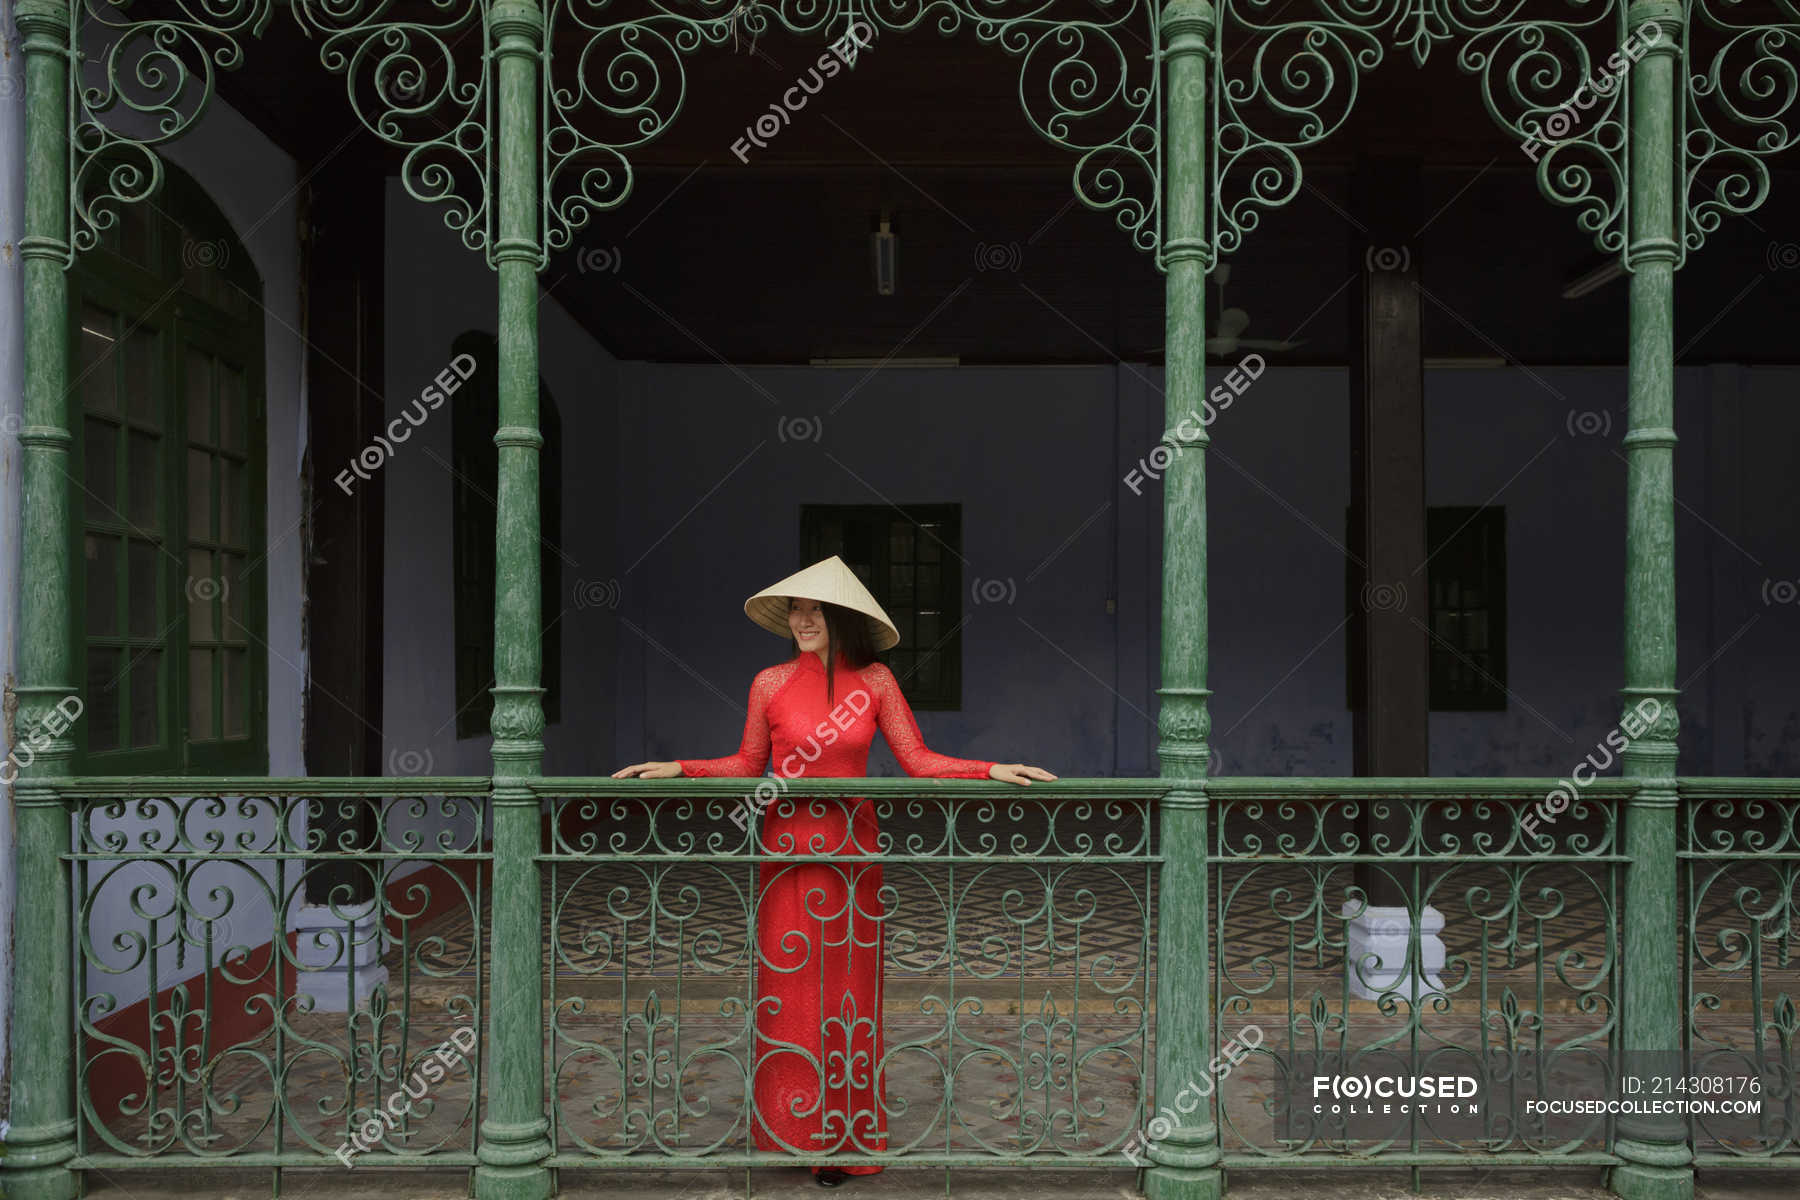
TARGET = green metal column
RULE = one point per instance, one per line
(1657, 1159)
(1185, 1161)
(515, 1132)
(43, 1110)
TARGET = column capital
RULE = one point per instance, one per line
(518, 715)
(1184, 726)
(1651, 724)
(514, 19)
(1665, 14)
(1192, 22)
(42, 19)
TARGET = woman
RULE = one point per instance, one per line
(818, 924)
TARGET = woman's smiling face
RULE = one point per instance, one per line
(806, 621)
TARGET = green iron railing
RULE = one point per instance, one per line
(233, 1063)
(1740, 883)
(1015, 933)
(1532, 963)
(1014, 939)
(1021, 934)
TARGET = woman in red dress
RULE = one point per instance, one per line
(819, 924)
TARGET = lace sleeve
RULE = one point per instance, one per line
(752, 757)
(902, 732)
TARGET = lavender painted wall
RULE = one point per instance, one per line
(710, 495)
(1037, 457)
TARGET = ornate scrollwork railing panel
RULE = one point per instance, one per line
(198, 904)
(1011, 936)
(1740, 859)
(1528, 990)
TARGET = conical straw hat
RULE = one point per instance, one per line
(828, 581)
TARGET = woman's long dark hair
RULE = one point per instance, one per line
(846, 633)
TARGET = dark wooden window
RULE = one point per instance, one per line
(475, 492)
(1465, 581)
(910, 558)
(166, 375)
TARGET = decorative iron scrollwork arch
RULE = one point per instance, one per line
(425, 87)
(144, 83)
(140, 82)
(1739, 109)
(1088, 83)
(1282, 86)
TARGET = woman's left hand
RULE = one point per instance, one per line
(1018, 773)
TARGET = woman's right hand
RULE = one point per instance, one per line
(649, 770)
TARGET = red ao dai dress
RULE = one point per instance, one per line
(818, 924)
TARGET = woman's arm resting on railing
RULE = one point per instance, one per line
(902, 732)
(753, 752)
(1018, 773)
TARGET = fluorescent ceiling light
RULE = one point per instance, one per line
(1466, 362)
(896, 361)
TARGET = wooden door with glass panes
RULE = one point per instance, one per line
(167, 367)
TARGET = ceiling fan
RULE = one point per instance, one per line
(1227, 338)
